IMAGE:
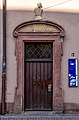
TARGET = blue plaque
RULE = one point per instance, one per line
(73, 72)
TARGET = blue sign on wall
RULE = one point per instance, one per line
(73, 72)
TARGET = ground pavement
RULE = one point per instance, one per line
(37, 115)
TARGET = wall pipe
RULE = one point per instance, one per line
(3, 108)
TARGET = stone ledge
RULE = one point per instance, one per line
(71, 108)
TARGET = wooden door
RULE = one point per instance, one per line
(38, 76)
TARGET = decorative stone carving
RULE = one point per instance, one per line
(38, 12)
(15, 34)
(39, 28)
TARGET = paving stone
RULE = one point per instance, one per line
(40, 116)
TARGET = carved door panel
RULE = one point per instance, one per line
(38, 76)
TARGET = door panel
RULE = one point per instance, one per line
(38, 85)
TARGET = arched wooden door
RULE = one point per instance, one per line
(38, 76)
(38, 48)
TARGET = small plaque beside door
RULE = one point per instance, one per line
(49, 87)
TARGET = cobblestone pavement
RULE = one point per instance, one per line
(40, 116)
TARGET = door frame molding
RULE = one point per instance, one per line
(55, 35)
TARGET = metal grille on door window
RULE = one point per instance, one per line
(38, 51)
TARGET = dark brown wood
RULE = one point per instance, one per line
(37, 82)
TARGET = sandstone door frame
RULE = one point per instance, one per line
(39, 31)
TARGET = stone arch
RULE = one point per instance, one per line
(38, 26)
(39, 31)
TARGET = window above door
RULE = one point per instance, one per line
(41, 51)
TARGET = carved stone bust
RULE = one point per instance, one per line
(38, 11)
